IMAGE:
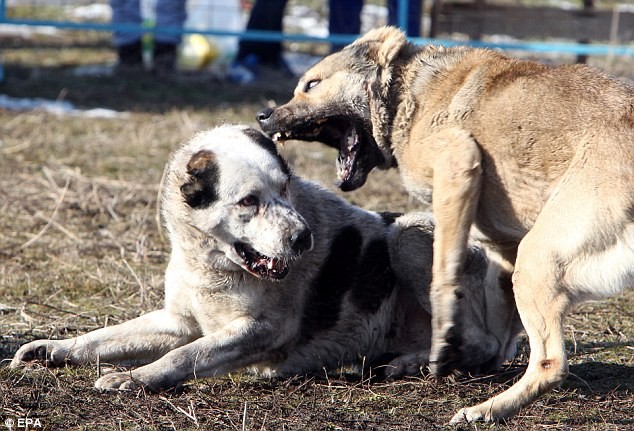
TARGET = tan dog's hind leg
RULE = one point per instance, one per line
(456, 188)
(575, 251)
(542, 304)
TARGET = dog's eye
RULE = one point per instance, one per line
(248, 201)
(311, 84)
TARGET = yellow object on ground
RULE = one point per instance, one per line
(197, 52)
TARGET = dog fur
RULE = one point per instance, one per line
(276, 274)
(535, 161)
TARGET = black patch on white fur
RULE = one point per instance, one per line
(200, 191)
(375, 279)
(389, 217)
(263, 141)
(335, 278)
(365, 274)
(476, 263)
(505, 281)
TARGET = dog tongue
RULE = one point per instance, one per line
(270, 266)
(270, 263)
(348, 154)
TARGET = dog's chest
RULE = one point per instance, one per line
(421, 191)
(416, 174)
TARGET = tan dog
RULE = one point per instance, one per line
(536, 161)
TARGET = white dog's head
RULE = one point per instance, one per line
(229, 193)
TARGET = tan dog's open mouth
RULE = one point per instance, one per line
(357, 157)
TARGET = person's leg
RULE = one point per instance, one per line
(414, 15)
(265, 15)
(128, 44)
(170, 15)
(344, 18)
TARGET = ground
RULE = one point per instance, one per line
(82, 247)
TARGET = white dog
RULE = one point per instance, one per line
(276, 274)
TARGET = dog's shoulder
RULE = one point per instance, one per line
(328, 210)
(351, 245)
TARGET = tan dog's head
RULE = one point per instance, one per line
(228, 197)
(341, 102)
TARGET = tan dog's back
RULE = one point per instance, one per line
(531, 122)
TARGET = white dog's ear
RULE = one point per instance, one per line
(385, 44)
(204, 173)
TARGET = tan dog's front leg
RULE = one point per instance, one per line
(456, 189)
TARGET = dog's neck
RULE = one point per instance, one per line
(389, 100)
(414, 71)
(196, 251)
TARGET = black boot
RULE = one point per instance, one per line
(164, 59)
(130, 55)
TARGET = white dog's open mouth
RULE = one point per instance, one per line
(261, 265)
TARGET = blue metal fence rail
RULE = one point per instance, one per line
(539, 47)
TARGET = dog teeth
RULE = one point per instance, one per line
(279, 137)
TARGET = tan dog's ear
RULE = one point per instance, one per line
(385, 44)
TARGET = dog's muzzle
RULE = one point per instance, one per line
(274, 268)
(302, 242)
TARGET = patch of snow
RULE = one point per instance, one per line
(57, 107)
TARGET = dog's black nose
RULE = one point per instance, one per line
(303, 241)
(263, 115)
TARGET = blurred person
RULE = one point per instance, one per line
(169, 14)
(414, 15)
(265, 15)
(345, 17)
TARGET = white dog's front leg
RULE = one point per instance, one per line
(140, 340)
(206, 357)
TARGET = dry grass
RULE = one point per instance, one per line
(81, 247)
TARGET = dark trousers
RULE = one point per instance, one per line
(345, 16)
(265, 15)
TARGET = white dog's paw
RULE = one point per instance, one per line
(118, 382)
(467, 415)
(51, 353)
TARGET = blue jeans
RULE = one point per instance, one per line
(414, 15)
(169, 13)
(345, 16)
